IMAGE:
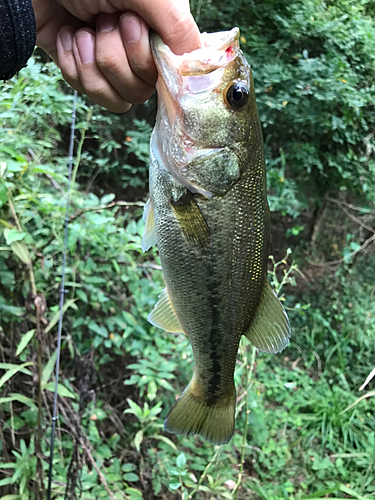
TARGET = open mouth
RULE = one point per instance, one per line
(193, 73)
(217, 50)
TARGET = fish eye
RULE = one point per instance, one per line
(237, 95)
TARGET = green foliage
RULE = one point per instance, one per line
(302, 429)
(313, 65)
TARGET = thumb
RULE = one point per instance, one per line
(171, 19)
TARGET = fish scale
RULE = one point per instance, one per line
(209, 216)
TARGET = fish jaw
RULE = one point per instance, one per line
(196, 77)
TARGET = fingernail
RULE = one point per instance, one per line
(86, 47)
(131, 28)
(66, 38)
(106, 23)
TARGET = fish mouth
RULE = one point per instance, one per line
(193, 69)
(194, 72)
(216, 50)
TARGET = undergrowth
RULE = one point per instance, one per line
(304, 428)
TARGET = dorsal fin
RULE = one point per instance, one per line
(163, 315)
(270, 328)
(149, 233)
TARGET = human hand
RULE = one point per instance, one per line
(102, 46)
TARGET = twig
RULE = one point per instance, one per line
(55, 184)
(368, 380)
(150, 266)
(205, 472)
(343, 259)
(39, 310)
(106, 207)
(76, 430)
(2, 440)
(353, 207)
(79, 148)
(249, 383)
(19, 227)
(351, 216)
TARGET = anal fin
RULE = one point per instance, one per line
(270, 329)
(163, 315)
(149, 234)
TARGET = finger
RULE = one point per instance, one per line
(111, 58)
(135, 35)
(50, 18)
(65, 58)
(171, 19)
(94, 83)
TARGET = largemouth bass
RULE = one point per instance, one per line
(209, 216)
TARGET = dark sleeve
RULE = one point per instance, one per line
(17, 35)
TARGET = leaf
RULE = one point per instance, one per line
(3, 194)
(339, 487)
(131, 477)
(12, 235)
(138, 440)
(134, 408)
(99, 414)
(61, 390)
(129, 467)
(6, 224)
(12, 371)
(100, 330)
(26, 337)
(368, 379)
(166, 441)
(181, 461)
(56, 316)
(8, 480)
(107, 199)
(21, 398)
(49, 367)
(134, 494)
(14, 310)
(351, 492)
(174, 486)
(20, 249)
(367, 395)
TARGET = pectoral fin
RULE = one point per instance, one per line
(149, 234)
(163, 315)
(191, 220)
(270, 328)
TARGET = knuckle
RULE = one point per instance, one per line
(70, 77)
(96, 91)
(141, 95)
(180, 27)
(108, 61)
(140, 66)
(122, 108)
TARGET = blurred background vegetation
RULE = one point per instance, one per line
(305, 426)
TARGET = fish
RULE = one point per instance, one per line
(209, 217)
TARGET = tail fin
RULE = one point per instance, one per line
(193, 414)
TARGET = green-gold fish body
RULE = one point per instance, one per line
(209, 216)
